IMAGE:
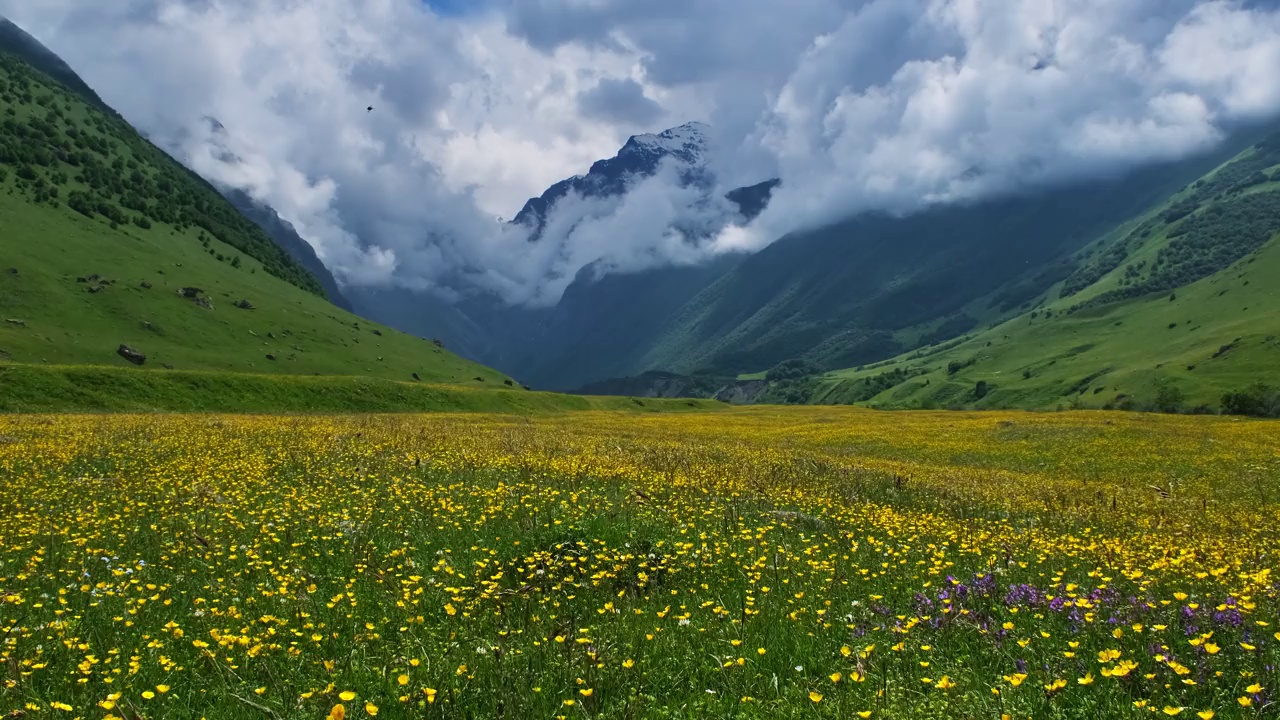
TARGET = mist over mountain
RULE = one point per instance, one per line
(907, 154)
(855, 105)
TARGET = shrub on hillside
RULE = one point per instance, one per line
(1257, 400)
(791, 370)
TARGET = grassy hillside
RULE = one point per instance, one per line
(875, 286)
(1177, 308)
(64, 321)
(102, 232)
(61, 388)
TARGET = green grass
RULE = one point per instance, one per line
(52, 246)
(62, 388)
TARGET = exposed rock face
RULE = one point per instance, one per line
(131, 355)
(742, 392)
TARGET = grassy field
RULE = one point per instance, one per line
(753, 563)
(66, 388)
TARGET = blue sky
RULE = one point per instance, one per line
(456, 7)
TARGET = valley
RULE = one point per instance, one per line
(1004, 452)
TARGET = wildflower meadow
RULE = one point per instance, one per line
(756, 563)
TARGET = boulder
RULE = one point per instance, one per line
(270, 356)
(15, 321)
(478, 379)
(415, 376)
(131, 355)
(190, 293)
(13, 271)
(88, 278)
(508, 383)
(204, 302)
(243, 304)
(146, 285)
(378, 333)
(97, 288)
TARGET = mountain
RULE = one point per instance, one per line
(876, 285)
(641, 156)
(17, 41)
(1174, 309)
(115, 255)
(853, 293)
(605, 323)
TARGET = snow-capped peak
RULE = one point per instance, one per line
(687, 142)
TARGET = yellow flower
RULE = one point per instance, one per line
(1016, 679)
(1086, 680)
(628, 663)
(147, 694)
(585, 692)
(431, 694)
(371, 708)
(815, 696)
(1205, 715)
(1254, 689)
(347, 696)
(162, 689)
(1171, 711)
(450, 609)
(945, 683)
(845, 650)
(1211, 648)
(60, 706)
(1244, 700)
(1055, 686)
(864, 714)
(338, 712)
(403, 679)
(760, 651)
(835, 677)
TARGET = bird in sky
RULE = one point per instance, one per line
(370, 109)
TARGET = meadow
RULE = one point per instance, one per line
(750, 563)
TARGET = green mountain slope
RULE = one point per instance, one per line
(101, 233)
(875, 286)
(1172, 310)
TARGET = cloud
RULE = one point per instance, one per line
(620, 101)
(855, 104)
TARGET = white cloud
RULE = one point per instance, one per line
(855, 104)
